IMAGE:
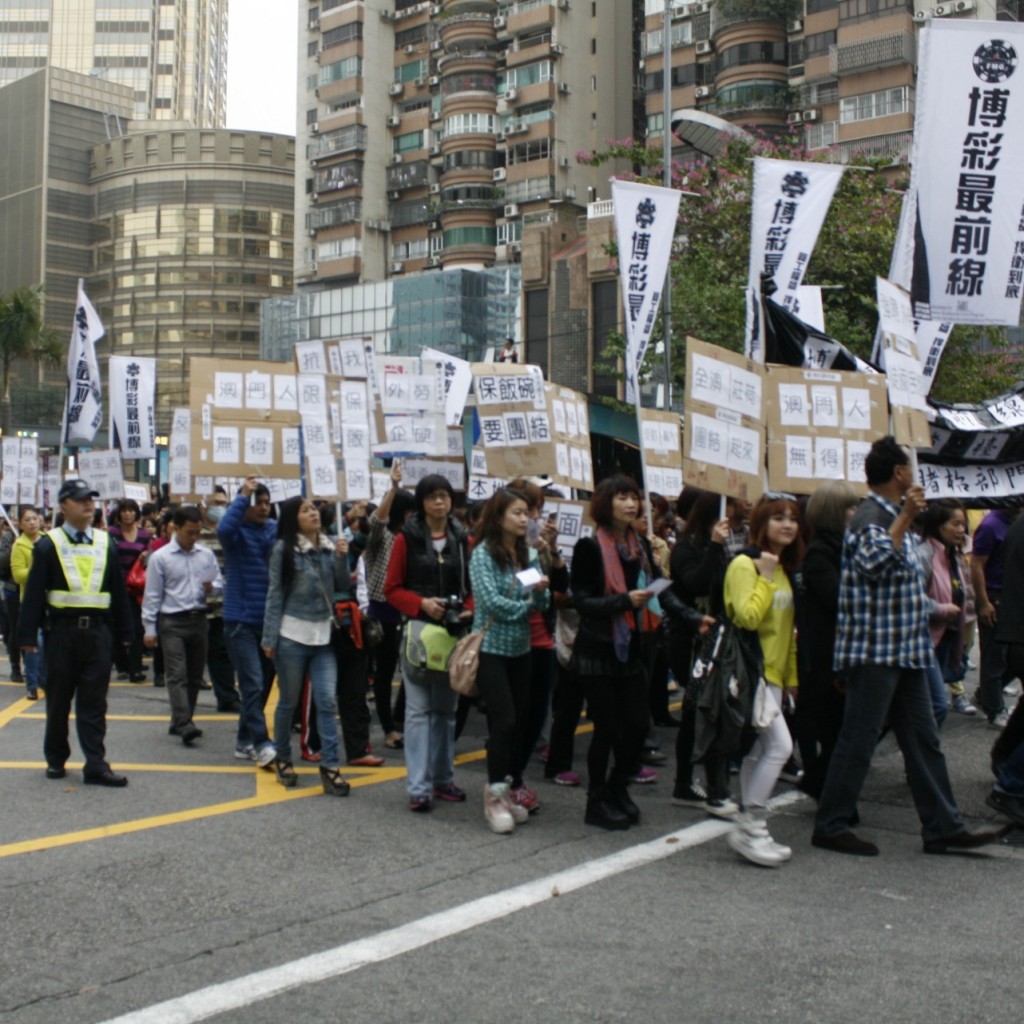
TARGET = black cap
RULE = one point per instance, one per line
(76, 489)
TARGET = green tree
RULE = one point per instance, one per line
(712, 250)
(23, 335)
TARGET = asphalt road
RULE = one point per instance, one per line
(204, 873)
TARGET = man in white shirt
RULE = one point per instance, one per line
(179, 576)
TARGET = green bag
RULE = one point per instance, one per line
(428, 645)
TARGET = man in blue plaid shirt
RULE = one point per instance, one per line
(882, 652)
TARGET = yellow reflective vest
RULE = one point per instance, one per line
(84, 566)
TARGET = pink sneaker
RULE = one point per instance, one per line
(566, 779)
(526, 798)
(644, 777)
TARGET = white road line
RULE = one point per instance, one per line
(208, 1002)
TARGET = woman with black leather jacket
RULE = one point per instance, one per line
(611, 573)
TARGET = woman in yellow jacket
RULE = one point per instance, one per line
(759, 598)
(30, 523)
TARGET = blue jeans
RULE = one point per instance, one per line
(429, 733)
(294, 661)
(872, 693)
(937, 691)
(255, 672)
(35, 667)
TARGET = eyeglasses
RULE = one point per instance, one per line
(778, 496)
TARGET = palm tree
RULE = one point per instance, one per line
(23, 335)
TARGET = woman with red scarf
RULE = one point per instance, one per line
(611, 573)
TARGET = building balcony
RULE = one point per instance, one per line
(881, 52)
(526, 18)
(472, 29)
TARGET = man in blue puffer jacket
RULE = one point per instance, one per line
(247, 533)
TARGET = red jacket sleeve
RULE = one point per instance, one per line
(405, 601)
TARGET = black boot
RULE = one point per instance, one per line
(604, 811)
(620, 794)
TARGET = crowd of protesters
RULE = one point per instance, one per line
(858, 614)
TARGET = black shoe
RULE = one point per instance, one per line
(204, 685)
(55, 772)
(845, 842)
(605, 813)
(16, 676)
(668, 722)
(122, 677)
(106, 778)
(32, 695)
(158, 680)
(137, 677)
(653, 757)
(230, 709)
(620, 794)
(189, 734)
(335, 785)
(1006, 804)
(960, 842)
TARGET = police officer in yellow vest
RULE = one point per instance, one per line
(76, 581)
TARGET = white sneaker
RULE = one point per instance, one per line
(520, 815)
(496, 808)
(999, 721)
(246, 753)
(265, 755)
(758, 849)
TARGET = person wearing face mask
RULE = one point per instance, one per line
(218, 664)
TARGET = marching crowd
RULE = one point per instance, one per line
(845, 618)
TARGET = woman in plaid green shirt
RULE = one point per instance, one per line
(504, 605)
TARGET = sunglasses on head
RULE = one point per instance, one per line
(778, 496)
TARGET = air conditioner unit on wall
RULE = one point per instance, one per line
(920, 16)
(796, 25)
(702, 92)
(500, 173)
(511, 210)
(396, 88)
(810, 115)
(795, 119)
(394, 121)
(704, 48)
(943, 10)
(397, 267)
(963, 6)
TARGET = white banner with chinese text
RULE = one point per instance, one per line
(132, 384)
(83, 408)
(790, 201)
(968, 152)
(645, 224)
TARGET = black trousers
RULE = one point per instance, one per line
(618, 707)
(219, 667)
(566, 707)
(77, 668)
(504, 685)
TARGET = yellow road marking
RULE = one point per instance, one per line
(15, 711)
(220, 717)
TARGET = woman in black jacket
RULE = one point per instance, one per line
(698, 565)
(611, 573)
(819, 713)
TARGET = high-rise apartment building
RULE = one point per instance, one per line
(435, 132)
(172, 54)
(831, 72)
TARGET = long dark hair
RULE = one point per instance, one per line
(288, 534)
(490, 534)
(704, 513)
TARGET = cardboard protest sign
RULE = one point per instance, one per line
(724, 429)
(821, 424)
(663, 451)
(907, 385)
(101, 468)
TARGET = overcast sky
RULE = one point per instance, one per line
(262, 40)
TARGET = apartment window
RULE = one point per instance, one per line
(415, 250)
(529, 74)
(468, 158)
(818, 44)
(351, 67)
(411, 71)
(461, 124)
(339, 249)
(605, 319)
(854, 10)
(311, 117)
(470, 236)
(817, 6)
(343, 34)
(752, 53)
(870, 105)
(821, 135)
(312, 49)
(407, 143)
(653, 41)
(655, 123)
(524, 152)
(410, 37)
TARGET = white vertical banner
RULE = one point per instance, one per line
(790, 201)
(180, 453)
(83, 410)
(132, 386)
(966, 173)
(645, 224)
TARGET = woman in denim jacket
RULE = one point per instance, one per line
(306, 568)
